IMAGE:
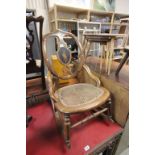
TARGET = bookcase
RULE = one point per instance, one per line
(104, 18)
(78, 20)
(59, 15)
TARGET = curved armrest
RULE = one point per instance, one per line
(50, 86)
(95, 78)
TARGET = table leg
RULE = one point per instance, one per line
(107, 57)
(122, 63)
(84, 46)
(101, 59)
(111, 55)
(87, 49)
(67, 125)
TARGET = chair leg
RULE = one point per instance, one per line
(57, 116)
(122, 63)
(110, 110)
(67, 125)
(28, 119)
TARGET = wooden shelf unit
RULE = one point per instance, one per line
(66, 14)
(76, 20)
(59, 13)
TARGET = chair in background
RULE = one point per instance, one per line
(33, 70)
(125, 58)
(31, 66)
(35, 76)
(123, 46)
(71, 91)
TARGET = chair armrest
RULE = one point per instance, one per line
(95, 78)
(51, 86)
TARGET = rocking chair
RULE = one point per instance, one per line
(70, 90)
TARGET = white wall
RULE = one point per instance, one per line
(41, 10)
(122, 6)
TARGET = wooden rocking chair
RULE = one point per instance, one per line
(71, 91)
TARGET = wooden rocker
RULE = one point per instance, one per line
(70, 89)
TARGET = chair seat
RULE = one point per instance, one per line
(80, 97)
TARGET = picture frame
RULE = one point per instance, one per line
(103, 5)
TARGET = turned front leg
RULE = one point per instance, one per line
(110, 109)
(67, 125)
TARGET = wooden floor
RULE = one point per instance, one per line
(122, 78)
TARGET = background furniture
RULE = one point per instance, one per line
(123, 47)
(31, 66)
(78, 97)
(108, 40)
(35, 78)
(61, 14)
(76, 20)
(126, 50)
(93, 27)
(121, 42)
